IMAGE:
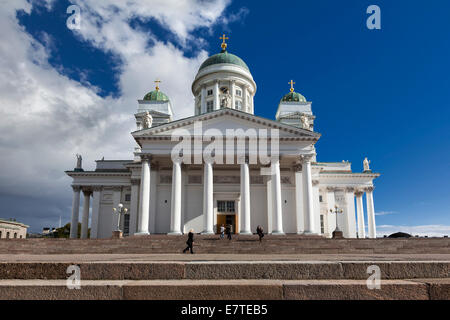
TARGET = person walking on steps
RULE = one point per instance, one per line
(222, 232)
(260, 232)
(229, 232)
(190, 242)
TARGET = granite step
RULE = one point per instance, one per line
(225, 270)
(419, 289)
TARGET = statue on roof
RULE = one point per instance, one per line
(79, 162)
(305, 122)
(147, 120)
(366, 164)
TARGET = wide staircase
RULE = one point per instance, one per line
(280, 268)
(240, 244)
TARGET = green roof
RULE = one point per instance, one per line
(156, 95)
(224, 57)
(294, 96)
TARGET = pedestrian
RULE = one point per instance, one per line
(222, 231)
(190, 242)
(229, 232)
(260, 232)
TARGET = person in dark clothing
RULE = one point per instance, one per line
(190, 242)
(260, 232)
(228, 232)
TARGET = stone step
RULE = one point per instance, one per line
(420, 289)
(223, 270)
(211, 244)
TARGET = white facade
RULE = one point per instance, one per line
(169, 195)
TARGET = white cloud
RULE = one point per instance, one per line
(384, 213)
(421, 230)
(46, 118)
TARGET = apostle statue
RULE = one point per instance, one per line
(79, 164)
(147, 120)
(366, 164)
(305, 122)
(226, 100)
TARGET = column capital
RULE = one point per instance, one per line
(76, 188)
(359, 193)
(135, 181)
(146, 157)
(87, 191)
(350, 189)
(369, 189)
(315, 182)
(331, 188)
(306, 157)
(298, 167)
(117, 188)
(97, 188)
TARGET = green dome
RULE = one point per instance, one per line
(156, 95)
(224, 57)
(294, 96)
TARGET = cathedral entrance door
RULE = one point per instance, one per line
(226, 215)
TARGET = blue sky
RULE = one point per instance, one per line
(383, 93)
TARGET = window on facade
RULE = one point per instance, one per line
(15, 235)
(225, 206)
(7, 235)
(0, 234)
(238, 93)
(209, 92)
(128, 197)
(126, 224)
(209, 106)
(320, 198)
(238, 105)
(322, 224)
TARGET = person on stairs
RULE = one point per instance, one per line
(190, 242)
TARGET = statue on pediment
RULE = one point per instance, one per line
(147, 120)
(78, 167)
(305, 122)
(366, 164)
(225, 101)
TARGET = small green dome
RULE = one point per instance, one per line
(224, 57)
(294, 97)
(156, 95)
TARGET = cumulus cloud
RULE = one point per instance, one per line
(45, 117)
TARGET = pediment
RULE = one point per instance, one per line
(223, 120)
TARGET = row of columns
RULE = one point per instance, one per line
(370, 213)
(216, 97)
(87, 193)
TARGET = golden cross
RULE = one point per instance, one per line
(292, 85)
(157, 81)
(223, 38)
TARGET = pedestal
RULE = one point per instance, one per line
(117, 234)
(338, 234)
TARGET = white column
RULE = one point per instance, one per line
(134, 206)
(144, 205)
(244, 99)
(96, 197)
(203, 100)
(85, 218)
(216, 96)
(308, 195)
(75, 212)
(175, 212)
(300, 218)
(208, 209)
(276, 189)
(269, 195)
(245, 227)
(360, 213)
(233, 94)
(370, 213)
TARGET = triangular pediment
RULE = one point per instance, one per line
(224, 119)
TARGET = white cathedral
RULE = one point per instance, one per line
(157, 193)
